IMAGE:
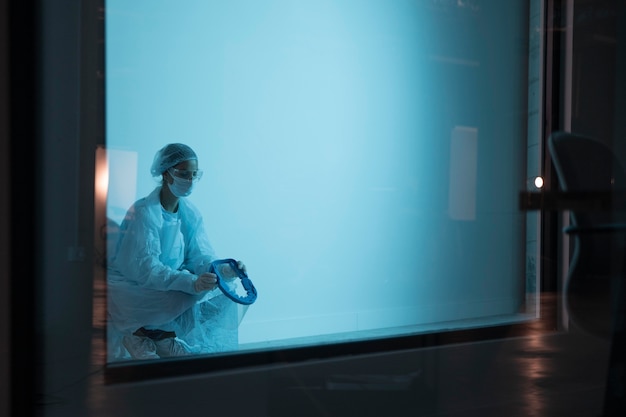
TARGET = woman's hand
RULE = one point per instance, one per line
(229, 273)
(205, 282)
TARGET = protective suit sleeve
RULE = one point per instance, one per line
(138, 254)
(199, 253)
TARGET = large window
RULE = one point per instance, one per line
(362, 158)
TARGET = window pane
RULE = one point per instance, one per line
(362, 158)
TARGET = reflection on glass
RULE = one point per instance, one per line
(362, 157)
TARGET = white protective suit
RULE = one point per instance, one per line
(151, 280)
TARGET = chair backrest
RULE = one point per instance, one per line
(584, 164)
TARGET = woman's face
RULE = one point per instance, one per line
(182, 178)
(190, 165)
(187, 170)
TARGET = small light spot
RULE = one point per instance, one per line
(538, 182)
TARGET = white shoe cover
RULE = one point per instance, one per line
(140, 347)
(172, 346)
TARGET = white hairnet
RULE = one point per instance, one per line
(169, 156)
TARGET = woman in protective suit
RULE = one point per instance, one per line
(163, 301)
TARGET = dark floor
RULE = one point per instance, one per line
(541, 369)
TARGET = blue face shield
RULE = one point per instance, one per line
(233, 282)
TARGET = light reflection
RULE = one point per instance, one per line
(101, 191)
(102, 175)
(96, 396)
(538, 182)
(535, 364)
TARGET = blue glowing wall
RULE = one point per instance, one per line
(362, 157)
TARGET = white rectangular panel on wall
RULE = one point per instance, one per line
(463, 173)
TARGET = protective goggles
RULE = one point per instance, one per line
(185, 174)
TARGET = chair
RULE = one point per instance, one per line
(595, 289)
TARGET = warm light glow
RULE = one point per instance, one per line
(538, 182)
(102, 175)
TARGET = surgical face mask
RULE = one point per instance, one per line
(181, 187)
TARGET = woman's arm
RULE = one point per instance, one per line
(138, 255)
(198, 250)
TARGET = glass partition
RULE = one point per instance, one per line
(362, 158)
